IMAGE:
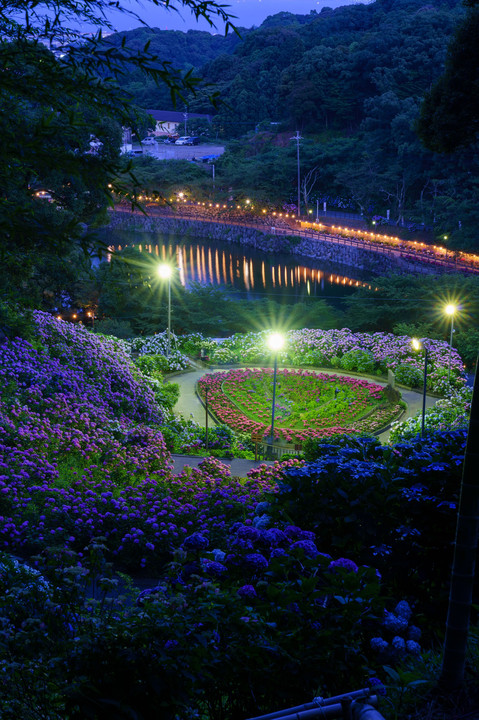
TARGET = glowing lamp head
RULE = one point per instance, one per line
(165, 271)
(275, 341)
(416, 344)
(450, 309)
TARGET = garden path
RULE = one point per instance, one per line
(190, 406)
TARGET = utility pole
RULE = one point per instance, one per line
(185, 115)
(298, 137)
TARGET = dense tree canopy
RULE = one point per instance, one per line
(450, 111)
(60, 128)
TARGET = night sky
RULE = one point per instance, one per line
(249, 13)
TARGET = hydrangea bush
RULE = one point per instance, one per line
(447, 414)
(158, 345)
(371, 353)
(284, 573)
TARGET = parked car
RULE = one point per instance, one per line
(171, 139)
(185, 140)
(149, 141)
(193, 141)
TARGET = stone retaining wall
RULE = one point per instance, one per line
(327, 251)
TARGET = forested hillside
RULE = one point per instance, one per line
(185, 50)
(352, 81)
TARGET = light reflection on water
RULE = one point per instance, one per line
(249, 272)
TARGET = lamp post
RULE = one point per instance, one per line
(417, 346)
(298, 137)
(450, 310)
(165, 271)
(275, 343)
(206, 419)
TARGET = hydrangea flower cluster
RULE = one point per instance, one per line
(403, 637)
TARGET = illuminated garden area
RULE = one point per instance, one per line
(238, 434)
(307, 404)
(243, 576)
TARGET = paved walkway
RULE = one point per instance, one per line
(190, 406)
(239, 467)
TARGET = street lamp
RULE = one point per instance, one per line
(298, 137)
(275, 343)
(165, 271)
(450, 310)
(206, 418)
(417, 346)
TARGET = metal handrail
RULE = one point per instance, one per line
(347, 706)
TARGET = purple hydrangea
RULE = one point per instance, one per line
(256, 562)
(213, 568)
(295, 533)
(247, 592)
(247, 532)
(344, 563)
(274, 536)
(308, 547)
(278, 552)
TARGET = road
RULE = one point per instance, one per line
(164, 151)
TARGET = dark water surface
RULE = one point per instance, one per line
(249, 272)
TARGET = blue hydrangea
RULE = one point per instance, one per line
(196, 542)
(218, 555)
(376, 685)
(278, 552)
(413, 647)
(261, 522)
(414, 633)
(393, 623)
(398, 643)
(262, 508)
(403, 610)
(379, 645)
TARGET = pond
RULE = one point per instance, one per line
(249, 272)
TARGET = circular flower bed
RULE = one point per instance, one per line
(307, 404)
